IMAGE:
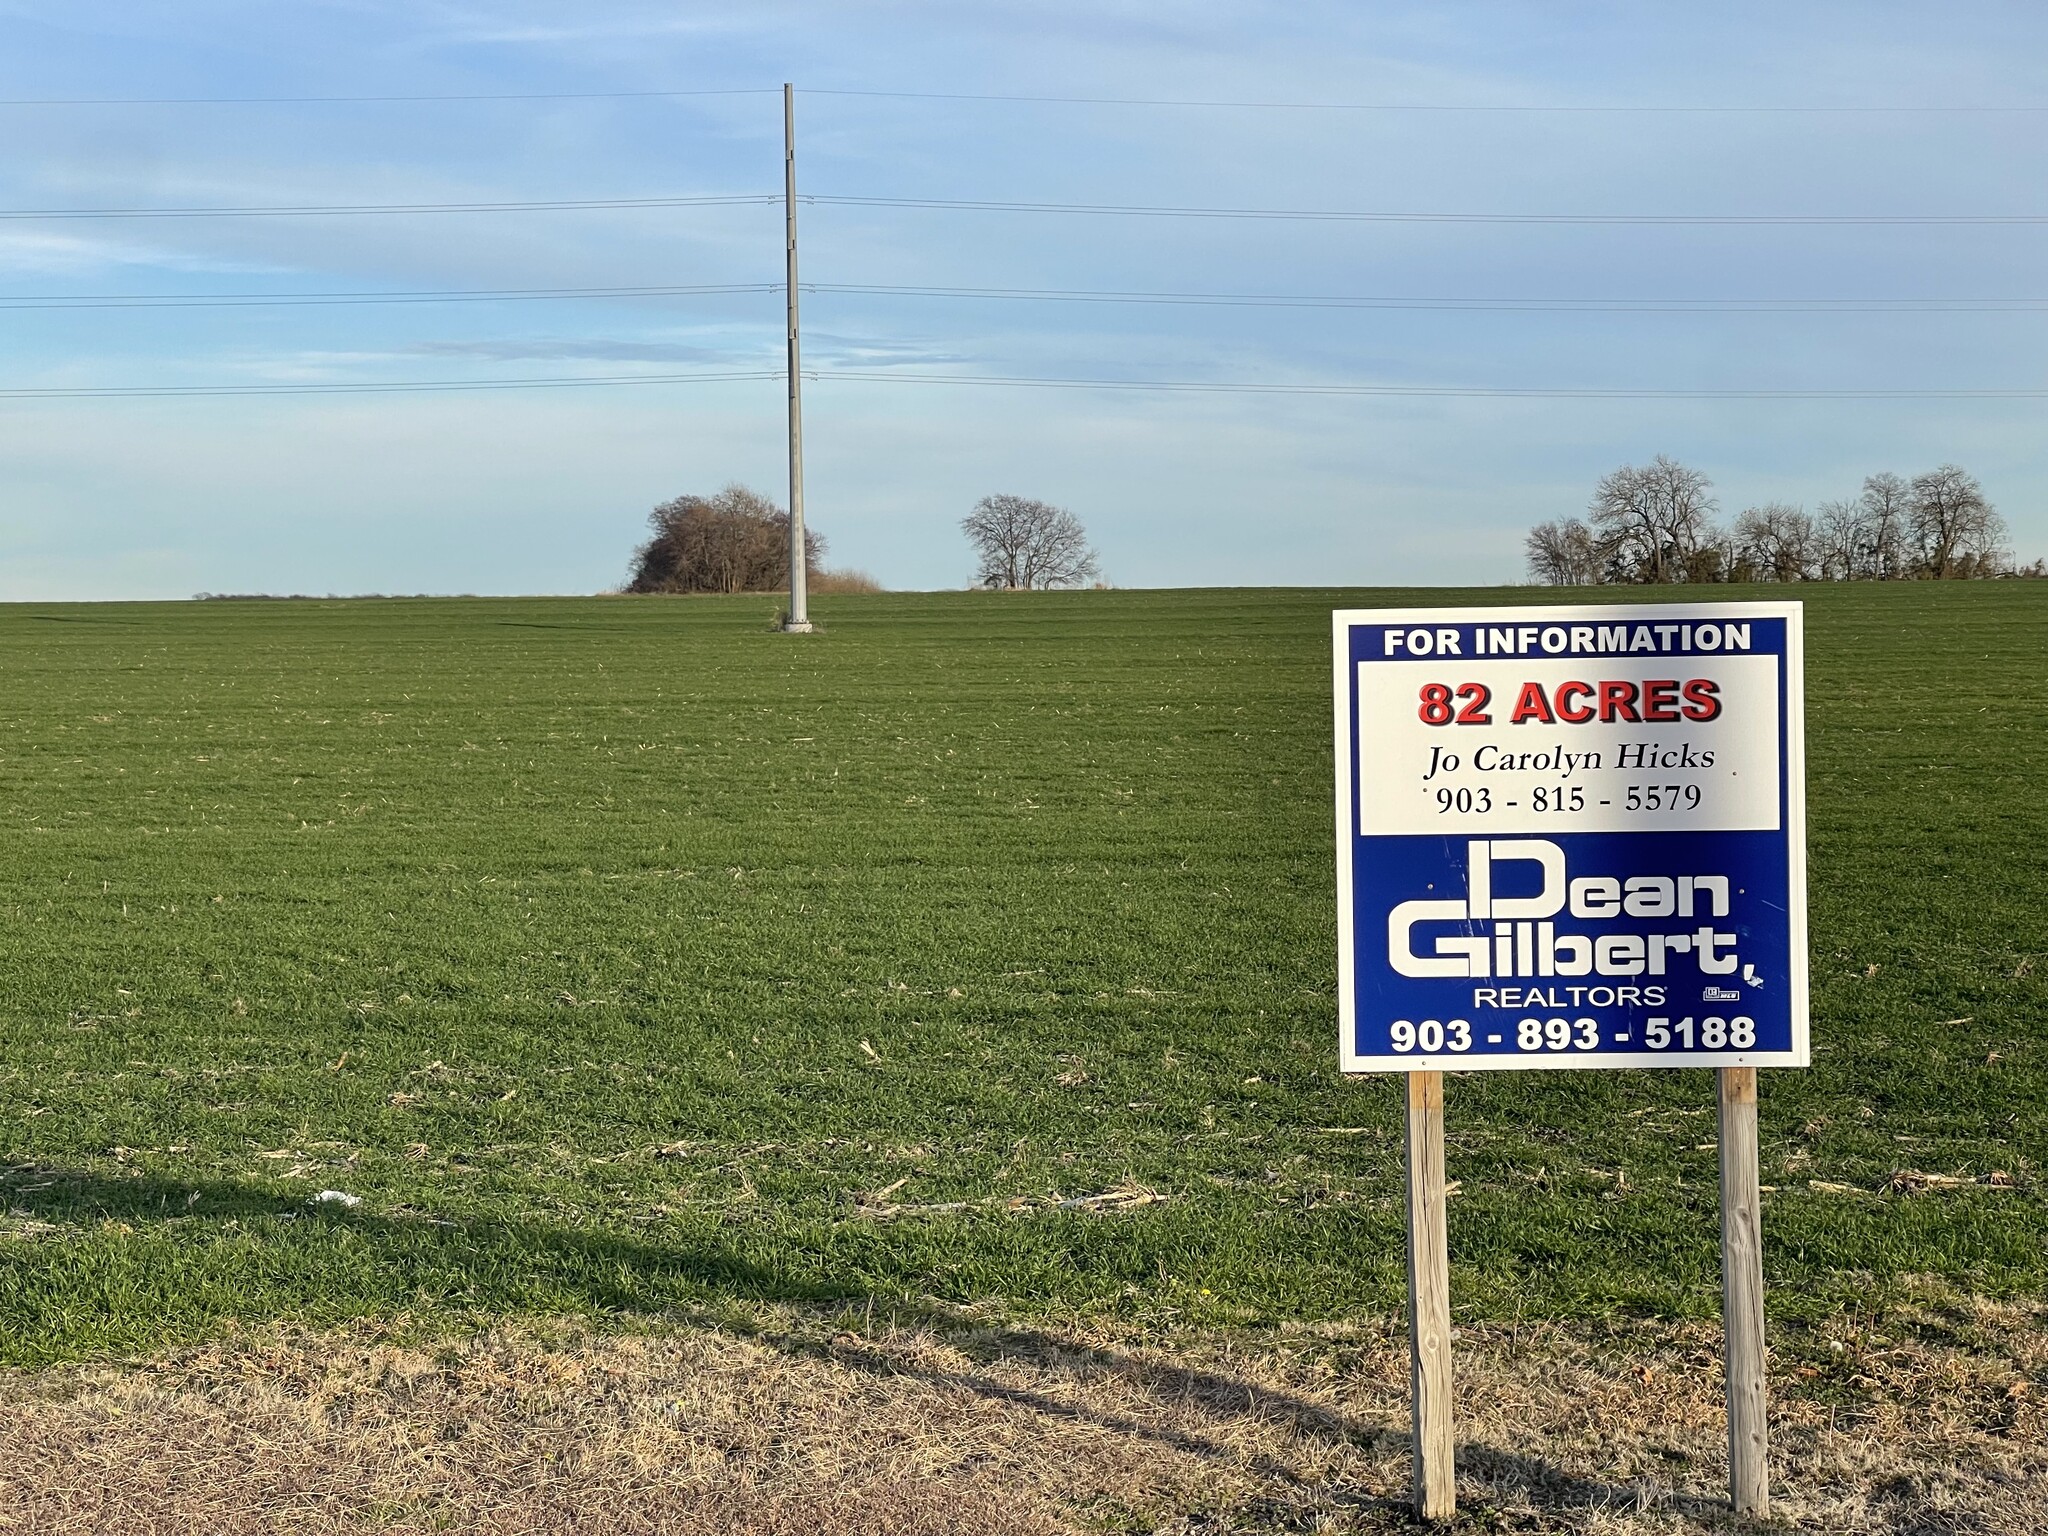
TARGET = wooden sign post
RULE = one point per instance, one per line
(1742, 1294)
(1571, 838)
(1429, 1300)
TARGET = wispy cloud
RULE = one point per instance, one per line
(867, 352)
(595, 349)
(464, 24)
(32, 251)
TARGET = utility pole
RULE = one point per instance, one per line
(798, 620)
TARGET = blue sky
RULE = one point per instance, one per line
(547, 490)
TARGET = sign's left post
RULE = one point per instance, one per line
(1429, 1301)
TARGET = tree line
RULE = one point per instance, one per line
(1660, 523)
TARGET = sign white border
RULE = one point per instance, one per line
(1794, 749)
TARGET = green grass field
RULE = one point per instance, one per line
(624, 956)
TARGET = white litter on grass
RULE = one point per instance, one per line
(336, 1197)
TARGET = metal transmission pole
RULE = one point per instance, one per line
(798, 620)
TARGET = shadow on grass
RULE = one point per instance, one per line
(1503, 1476)
(212, 1251)
(1208, 1395)
(163, 1257)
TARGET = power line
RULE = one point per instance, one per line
(58, 301)
(305, 210)
(1660, 109)
(405, 386)
(1139, 210)
(1397, 302)
(248, 101)
(1396, 106)
(1123, 210)
(1431, 391)
(1164, 386)
(423, 296)
(422, 97)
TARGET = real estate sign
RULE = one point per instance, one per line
(1571, 837)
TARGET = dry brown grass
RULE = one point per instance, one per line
(808, 1423)
(849, 580)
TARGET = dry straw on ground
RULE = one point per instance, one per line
(860, 1426)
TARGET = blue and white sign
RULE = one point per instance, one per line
(1571, 837)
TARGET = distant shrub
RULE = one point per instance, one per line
(844, 581)
(735, 541)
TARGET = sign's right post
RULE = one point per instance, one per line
(1742, 1295)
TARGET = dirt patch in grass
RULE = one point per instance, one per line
(928, 1422)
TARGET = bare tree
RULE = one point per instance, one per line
(1956, 531)
(1656, 523)
(1886, 503)
(1778, 542)
(735, 541)
(1625, 516)
(1839, 537)
(1024, 545)
(1563, 553)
